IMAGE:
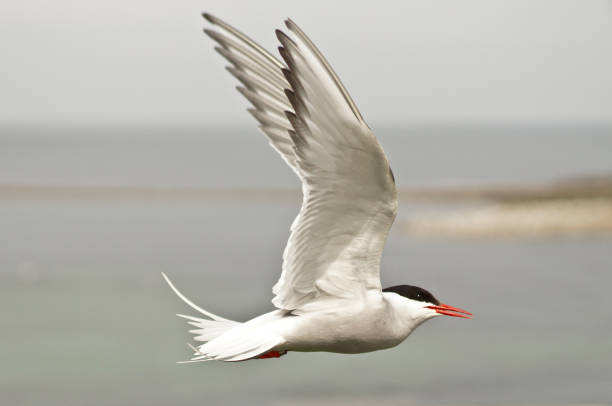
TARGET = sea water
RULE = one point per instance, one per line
(87, 319)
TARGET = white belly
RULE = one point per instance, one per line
(348, 328)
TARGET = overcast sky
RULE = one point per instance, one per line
(402, 61)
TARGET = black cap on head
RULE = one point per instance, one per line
(414, 293)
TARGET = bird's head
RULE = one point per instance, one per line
(422, 305)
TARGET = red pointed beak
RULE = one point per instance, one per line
(450, 311)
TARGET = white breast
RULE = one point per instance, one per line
(348, 326)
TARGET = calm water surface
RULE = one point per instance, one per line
(86, 318)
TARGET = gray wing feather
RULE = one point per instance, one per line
(350, 200)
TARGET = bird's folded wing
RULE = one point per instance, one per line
(350, 199)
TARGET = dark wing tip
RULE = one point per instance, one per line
(210, 18)
(290, 24)
(216, 36)
(291, 96)
(279, 34)
(212, 34)
(287, 74)
(286, 56)
(284, 38)
(282, 51)
(290, 115)
(298, 105)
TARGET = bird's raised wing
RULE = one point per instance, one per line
(262, 83)
(350, 200)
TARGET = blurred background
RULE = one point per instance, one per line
(125, 152)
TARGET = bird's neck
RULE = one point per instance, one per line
(405, 315)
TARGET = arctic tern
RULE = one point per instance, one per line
(329, 296)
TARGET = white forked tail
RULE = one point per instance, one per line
(207, 329)
(193, 305)
(224, 339)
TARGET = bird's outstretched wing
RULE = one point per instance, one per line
(350, 200)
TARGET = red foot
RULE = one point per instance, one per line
(272, 354)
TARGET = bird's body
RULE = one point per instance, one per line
(329, 296)
(376, 322)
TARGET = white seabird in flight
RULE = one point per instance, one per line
(329, 296)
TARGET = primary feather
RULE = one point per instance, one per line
(349, 196)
